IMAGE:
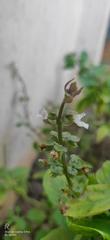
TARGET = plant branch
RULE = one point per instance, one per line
(60, 138)
(59, 122)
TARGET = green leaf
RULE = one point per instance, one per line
(80, 183)
(40, 234)
(92, 76)
(36, 215)
(52, 116)
(103, 174)
(77, 163)
(20, 223)
(19, 172)
(53, 187)
(71, 170)
(69, 137)
(59, 233)
(102, 132)
(70, 61)
(54, 133)
(87, 101)
(88, 80)
(66, 136)
(59, 148)
(95, 200)
(35, 146)
(68, 117)
(58, 218)
(83, 61)
(91, 227)
(56, 168)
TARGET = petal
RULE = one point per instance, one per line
(43, 114)
(78, 122)
(81, 115)
(84, 125)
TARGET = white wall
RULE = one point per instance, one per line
(35, 35)
(93, 27)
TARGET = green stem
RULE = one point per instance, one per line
(59, 122)
(66, 172)
(60, 138)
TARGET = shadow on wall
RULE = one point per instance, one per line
(18, 116)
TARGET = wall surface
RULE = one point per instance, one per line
(35, 35)
(93, 28)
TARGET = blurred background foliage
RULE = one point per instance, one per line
(95, 101)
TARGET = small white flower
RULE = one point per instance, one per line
(43, 114)
(78, 120)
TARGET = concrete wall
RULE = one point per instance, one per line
(36, 35)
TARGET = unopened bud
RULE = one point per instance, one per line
(43, 146)
(71, 90)
(54, 154)
(85, 170)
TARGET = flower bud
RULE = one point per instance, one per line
(54, 154)
(85, 170)
(71, 90)
(43, 146)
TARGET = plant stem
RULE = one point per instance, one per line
(59, 122)
(60, 138)
(66, 172)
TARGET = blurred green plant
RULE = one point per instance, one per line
(96, 101)
(82, 197)
(28, 214)
(78, 199)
